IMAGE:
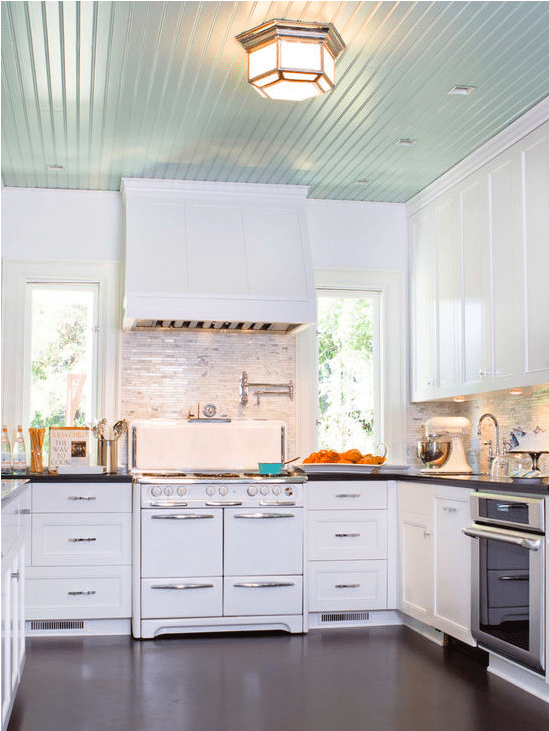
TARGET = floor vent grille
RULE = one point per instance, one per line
(345, 616)
(55, 624)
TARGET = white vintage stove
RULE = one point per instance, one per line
(215, 550)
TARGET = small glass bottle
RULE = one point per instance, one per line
(19, 454)
(6, 452)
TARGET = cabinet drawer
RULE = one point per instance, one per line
(353, 534)
(90, 593)
(257, 595)
(181, 597)
(348, 494)
(347, 585)
(84, 540)
(82, 497)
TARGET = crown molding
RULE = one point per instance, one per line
(514, 132)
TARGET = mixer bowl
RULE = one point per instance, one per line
(433, 452)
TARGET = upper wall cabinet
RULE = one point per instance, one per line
(216, 252)
(479, 258)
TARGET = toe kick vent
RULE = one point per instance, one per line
(345, 616)
(54, 624)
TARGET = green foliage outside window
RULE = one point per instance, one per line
(346, 373)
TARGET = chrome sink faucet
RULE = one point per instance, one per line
(492, 453)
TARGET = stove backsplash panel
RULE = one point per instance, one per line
(164, 375)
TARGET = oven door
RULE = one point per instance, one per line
(508, 569)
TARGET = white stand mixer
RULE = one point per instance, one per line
(451, 428)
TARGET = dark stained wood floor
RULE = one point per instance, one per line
(378, 679)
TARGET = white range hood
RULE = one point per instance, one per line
(216, 256)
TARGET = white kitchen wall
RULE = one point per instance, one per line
(61, 225)
(357, 235)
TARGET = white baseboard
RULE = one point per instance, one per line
(520, 676)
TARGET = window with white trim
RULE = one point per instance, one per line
(60, 325)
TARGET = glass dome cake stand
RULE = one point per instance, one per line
(533, 455)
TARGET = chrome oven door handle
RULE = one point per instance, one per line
(261, 516)
(222, 503)
(181, 587)
(262, 584)
(168, 504)
(515, 539)
(181, 516)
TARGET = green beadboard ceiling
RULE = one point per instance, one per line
(106, 90)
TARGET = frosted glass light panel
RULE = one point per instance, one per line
(349, 373)
(63, 354)
(302, 55)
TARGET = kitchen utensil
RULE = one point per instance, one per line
(270, 468)
(36, 444)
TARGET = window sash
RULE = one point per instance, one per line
(94, 289)
(375, 296)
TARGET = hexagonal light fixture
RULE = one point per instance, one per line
(290, 59)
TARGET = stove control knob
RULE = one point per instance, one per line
(289, 491)
(252, 490)
(181, 490)
(210, 490)
(276, 490)
(223, 490)
(264, 489)
(168, 491)
(156, 491)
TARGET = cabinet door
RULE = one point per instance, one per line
(416, 566)
(477, 319)
(448, 295)
(423, 304)
(535, 229)
(452, 566)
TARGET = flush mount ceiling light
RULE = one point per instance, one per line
(290, 59)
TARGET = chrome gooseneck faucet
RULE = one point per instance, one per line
(492, 453)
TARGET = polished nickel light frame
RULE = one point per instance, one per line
(276, 76)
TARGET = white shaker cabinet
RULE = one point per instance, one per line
(534, 167)
(423, 303)
(349, 532)
(415, 527)
(15, 512)
(479, 256)
(435, 557)
(79, 566)
(452, 563)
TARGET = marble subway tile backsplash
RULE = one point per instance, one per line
(164, 375)
(527, 410)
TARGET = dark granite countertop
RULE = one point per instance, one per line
(471, 482)
(80, 477)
